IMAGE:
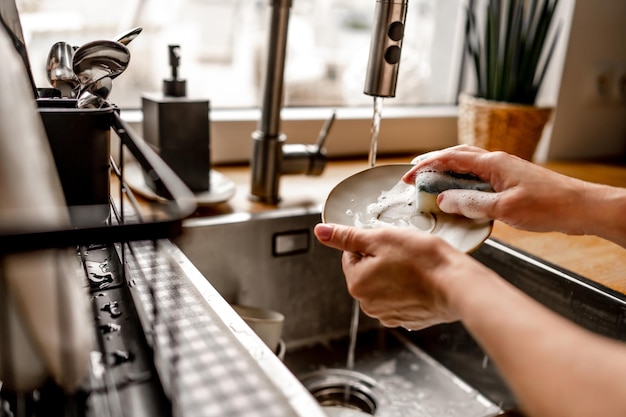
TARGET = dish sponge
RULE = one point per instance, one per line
(430, 183)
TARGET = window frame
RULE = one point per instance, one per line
(404, 130)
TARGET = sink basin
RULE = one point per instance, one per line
(273, 260)
(392, 376)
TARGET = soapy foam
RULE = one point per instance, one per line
(396, 207)
(415, 206)
(471, 203)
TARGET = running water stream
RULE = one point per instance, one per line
(356, 309)
(375, 130)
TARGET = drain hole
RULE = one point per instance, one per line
(347, 397)
(343, 388)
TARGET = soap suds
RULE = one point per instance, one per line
(470, 203)
(415, 206)
(396, 207)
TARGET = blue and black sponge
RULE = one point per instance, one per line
(429, 183)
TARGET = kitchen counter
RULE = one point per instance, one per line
(589, 256)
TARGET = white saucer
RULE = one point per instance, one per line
(222, 188)
(348, 203)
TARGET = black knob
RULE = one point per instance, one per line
(395, 31)
(392, 54)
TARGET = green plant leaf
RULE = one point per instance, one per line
(507, 52)
(492, 39)
(475, 50)
(511, 59)
(535, 44)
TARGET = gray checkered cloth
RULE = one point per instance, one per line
(204, 369)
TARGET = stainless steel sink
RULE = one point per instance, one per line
(273, 260)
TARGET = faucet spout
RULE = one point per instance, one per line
(275, 68)
(271, 157)
(267, 140)
(385, 48)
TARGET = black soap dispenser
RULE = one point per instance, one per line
(177, 128)
(174, 87)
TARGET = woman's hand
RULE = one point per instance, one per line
(400, 277)
(526, 195)
(413, 279)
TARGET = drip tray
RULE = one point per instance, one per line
(391, 378)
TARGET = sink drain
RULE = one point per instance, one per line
(343, 388)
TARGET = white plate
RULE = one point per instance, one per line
(348, 204)
(222, 188)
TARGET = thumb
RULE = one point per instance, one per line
(344, 238)
(469, 203)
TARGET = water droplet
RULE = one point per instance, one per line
(112, 308)
(110, 328)
(485, 362)
(121, 356)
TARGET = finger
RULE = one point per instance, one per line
(442, 160)
(461, 158)
(419, 161)
(409, 176)
(425, 156)
(469, 203)
(457, 158)
(434, 154)
(340, 237)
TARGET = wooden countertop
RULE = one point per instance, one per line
(589, 256)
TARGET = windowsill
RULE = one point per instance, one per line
(403, 129)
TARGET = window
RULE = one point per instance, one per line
(222, 42)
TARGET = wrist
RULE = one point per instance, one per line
(604, 209)
(465, 285)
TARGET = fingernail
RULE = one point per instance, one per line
(440, 199)
(323, 232)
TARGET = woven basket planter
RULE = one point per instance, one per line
(500, 126)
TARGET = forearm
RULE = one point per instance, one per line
(605, 209)
(554, 367)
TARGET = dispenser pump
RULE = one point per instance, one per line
(174, 87)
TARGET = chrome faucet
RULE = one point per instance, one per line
(385, 48)
(271, 156)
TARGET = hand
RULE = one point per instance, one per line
(400, 276)
(414, 279)
(526, 195)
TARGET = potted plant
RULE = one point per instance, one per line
(509, 54)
